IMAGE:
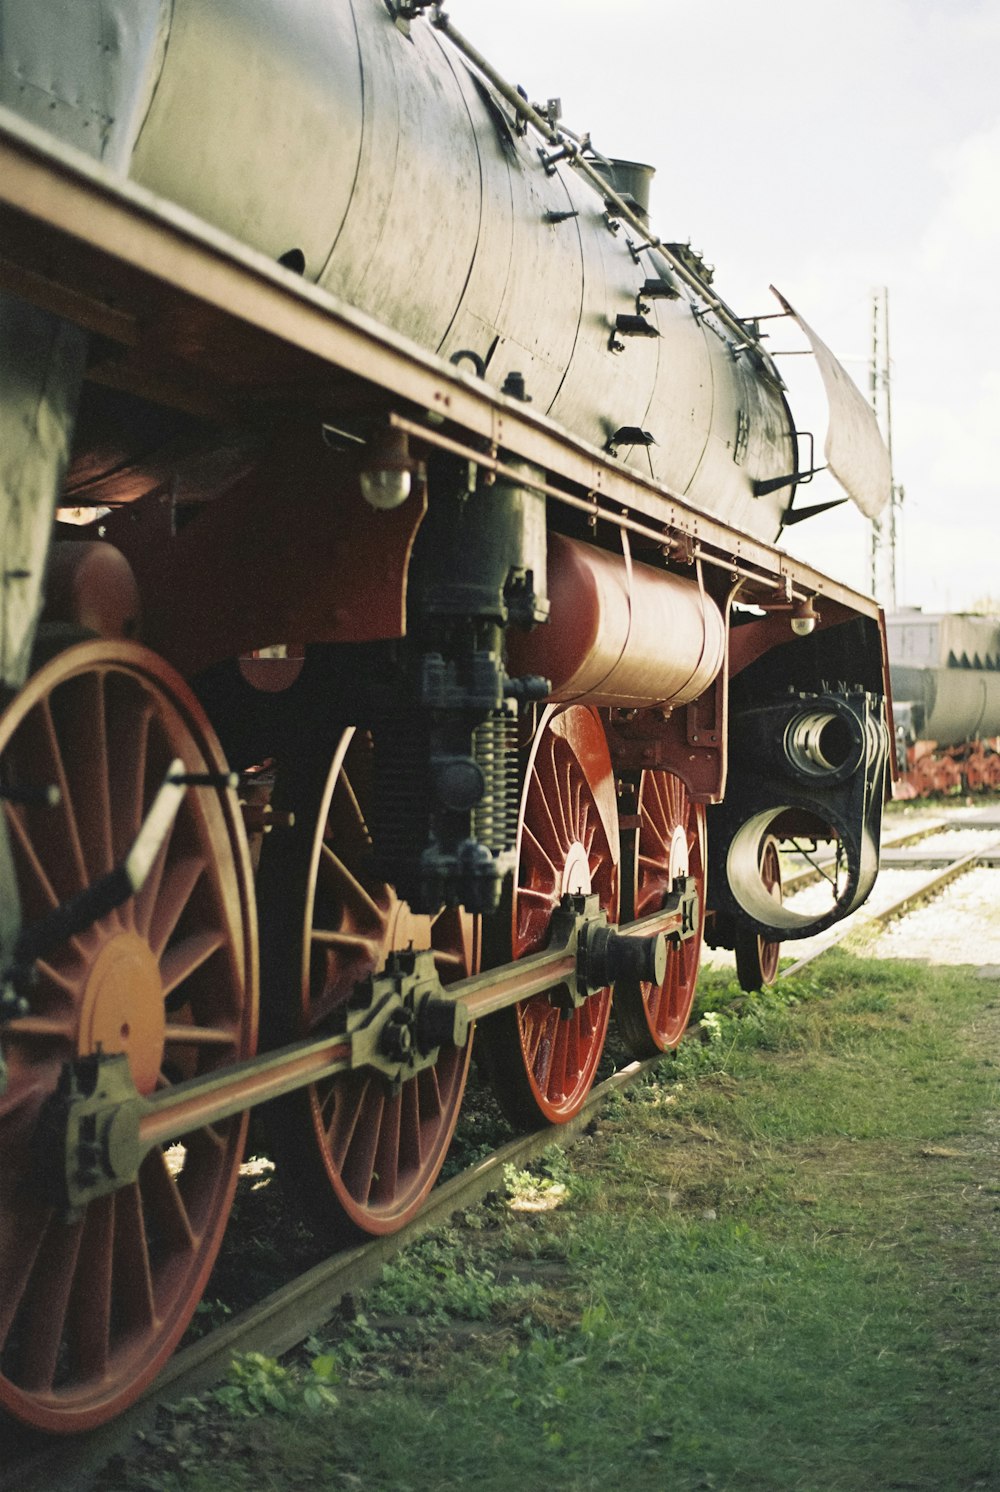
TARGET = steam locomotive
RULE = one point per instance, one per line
(391, 616)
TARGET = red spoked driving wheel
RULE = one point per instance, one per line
(90, 1307)
(541, 1057)
(359, 1157)
(653, 1017)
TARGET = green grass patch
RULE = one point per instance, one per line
(773, 1266)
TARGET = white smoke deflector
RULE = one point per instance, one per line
(855, 452)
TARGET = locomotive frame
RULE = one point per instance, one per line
(592, 806)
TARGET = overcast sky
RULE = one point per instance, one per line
(828, 147)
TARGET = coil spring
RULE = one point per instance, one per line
(494, 745)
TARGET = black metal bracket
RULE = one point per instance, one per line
(799, 515)
(630, 326)
(551, 158)
(628, 435)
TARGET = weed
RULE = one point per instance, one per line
(435, 1280)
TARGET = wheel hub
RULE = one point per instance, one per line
(406, 929)
(576, 871)
(123, 1008)
(678, 862)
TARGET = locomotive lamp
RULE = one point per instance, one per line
(804, 618)
(387, 476)
(802, 614)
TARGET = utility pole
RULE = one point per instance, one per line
(884, 534)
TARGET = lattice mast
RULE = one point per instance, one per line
(884, 531)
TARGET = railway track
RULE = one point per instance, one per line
(289, 1315)
(910, 852)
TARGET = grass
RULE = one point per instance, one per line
(773, 1266)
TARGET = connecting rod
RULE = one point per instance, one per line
(96, 1129)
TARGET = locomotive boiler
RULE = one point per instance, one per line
(391, 619)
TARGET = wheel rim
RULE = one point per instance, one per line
(543, 1063)
(653, 1017)
(362, 1158)
(757, 957)
(770, 948)
(90, 1310)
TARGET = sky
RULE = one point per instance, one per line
(831, 148)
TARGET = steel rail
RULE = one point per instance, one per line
(863, 922)
(815, 871)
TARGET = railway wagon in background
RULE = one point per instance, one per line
(944, 670)
(391, 610)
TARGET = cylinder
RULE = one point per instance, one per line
(619, 634)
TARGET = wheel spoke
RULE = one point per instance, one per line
(447, 961)
(532, 893)
(429, 1100)
(352, 825)
(42, 717)
(540, 860)
(564, 792)
(349, 886)
(359, 1161)
(54, 1028)
(61, 979)
(90, 1307)
(410, 1150)
(46, 1304)
(184, 1035)
(181, 961)
(345, 1111)
(133, 1270)
(19, 1246)
(562, 1067)
(162, 1203)
(26, 852)
(386, 1172)
(347, 942)
(174, 891)
(85, 723)
(538, 1018)
(128, 746)
(26, 1095)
